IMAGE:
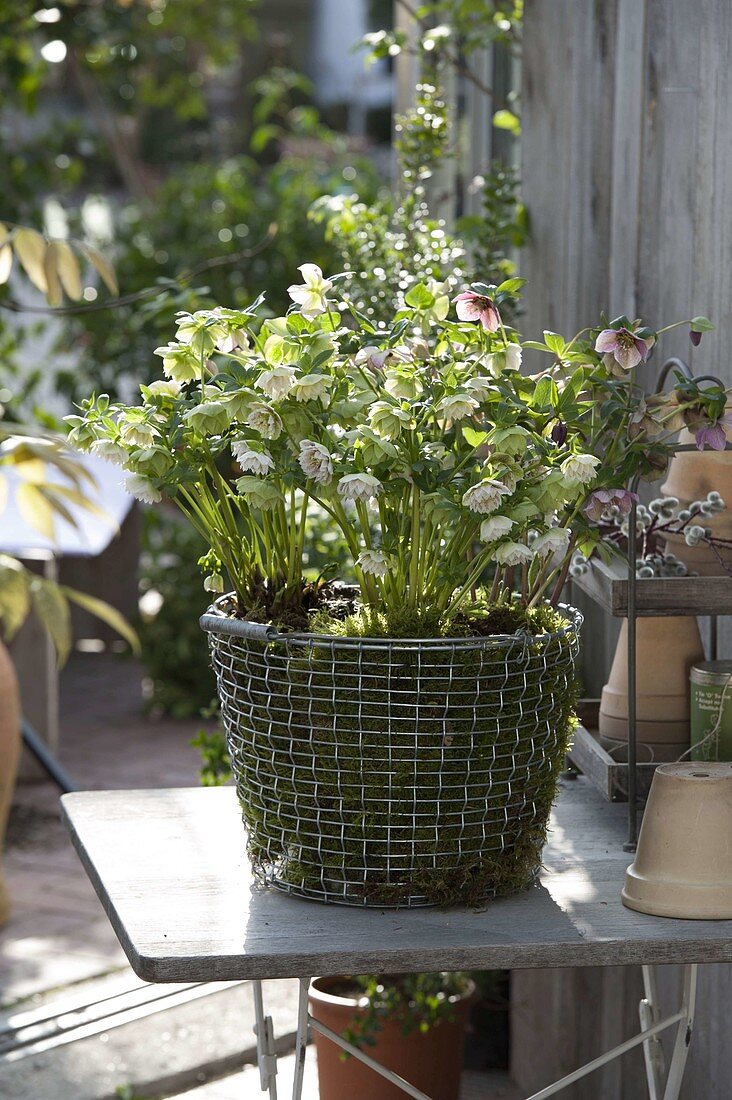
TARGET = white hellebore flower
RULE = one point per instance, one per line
(458, 406)
(265, 420)
(143, 489)
(373, 562)
(485, 497)
(372, 357)
(580, 468)
(213, 583)
(137, 434)
(479, 387)
(311, 295)
(402, 386)
(315, 462)
(310, 387)
(234, 340)
(359, 487)
(255, 462)
(113, 452)
(388, 420)
(439, 453)
(493, 529)
(276, 382)
(165, 387)
(555, 540)
(179, 362)
(513, 354)
(512, 553)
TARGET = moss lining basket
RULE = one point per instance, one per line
(399, 772)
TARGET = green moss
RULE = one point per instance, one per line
(480, 620)
(387, 773)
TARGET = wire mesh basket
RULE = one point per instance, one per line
(394, 772)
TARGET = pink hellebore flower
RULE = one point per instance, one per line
(713, 434)
(627, 348)
(603, 499)
(478, 307)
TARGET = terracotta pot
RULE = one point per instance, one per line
(683, 866)
(691, 475)
(666, 650)
(431, 1061)
(9, 756)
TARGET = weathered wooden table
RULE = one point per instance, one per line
(170, 869)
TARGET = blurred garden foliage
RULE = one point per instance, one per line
(190, 153)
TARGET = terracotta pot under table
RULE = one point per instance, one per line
(432, 1061)
(9, 756)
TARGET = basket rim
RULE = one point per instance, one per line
(216, 621)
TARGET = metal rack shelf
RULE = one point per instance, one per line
(607, 585)
(608, 776)
(617, 590)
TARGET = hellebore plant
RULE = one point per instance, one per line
(444, 466)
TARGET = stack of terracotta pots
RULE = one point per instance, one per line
(691, 476)
(668, 647)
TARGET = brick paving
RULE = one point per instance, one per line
(58, 933)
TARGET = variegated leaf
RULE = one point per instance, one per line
(30, 248)
(106, 613)
(51, 607)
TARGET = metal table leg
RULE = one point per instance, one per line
(301, 1041)
(650, 1014)
(652, 1024)
(266, 1057)
(683, 1035)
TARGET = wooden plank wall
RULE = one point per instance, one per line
(627, 170)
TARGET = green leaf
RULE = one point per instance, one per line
(535, 345)
(419, 297)
(14, 595)
(473, 437)
(555, 342)
(574, 386)
(108, 614)
(545, 394)
(701, 324)
(507, 120)
(510, 286)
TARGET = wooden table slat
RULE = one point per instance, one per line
(171, 871)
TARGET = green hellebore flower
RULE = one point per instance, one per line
(150, 461)
(179, 362)
(551, 492)
(511, 440)
(209, 418)
(388, 420)
(258, 492)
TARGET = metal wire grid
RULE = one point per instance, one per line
(379, 772)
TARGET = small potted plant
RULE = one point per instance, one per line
(413, 1024)
(399, 741)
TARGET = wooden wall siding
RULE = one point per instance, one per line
(627, 175)
(550, 1034)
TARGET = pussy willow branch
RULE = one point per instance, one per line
(150, 291)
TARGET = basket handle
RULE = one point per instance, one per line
(240, 628)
